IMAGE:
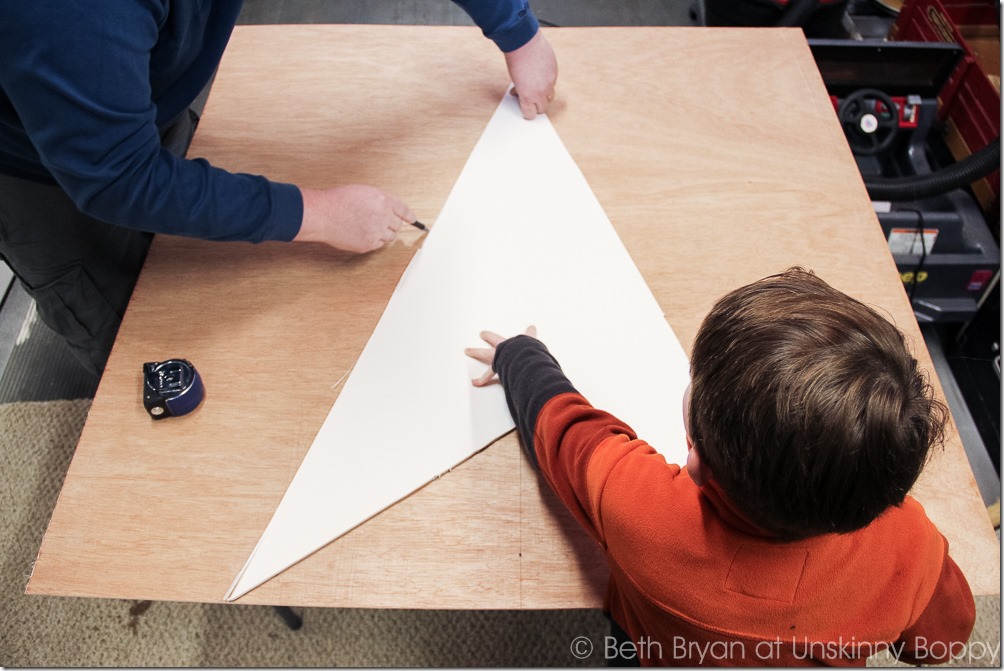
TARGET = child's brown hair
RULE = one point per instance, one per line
(807, 406)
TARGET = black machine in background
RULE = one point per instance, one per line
(946, 247)
(885, 95)
(975, 360)
(818, 18)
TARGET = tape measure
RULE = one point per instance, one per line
(171, 388)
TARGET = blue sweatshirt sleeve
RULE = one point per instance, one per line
(508, 23)
(78, 75)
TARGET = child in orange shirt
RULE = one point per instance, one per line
(788, 538)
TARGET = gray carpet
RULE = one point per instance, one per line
(37, 440)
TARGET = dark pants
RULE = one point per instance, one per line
(621, 640)
(79, 270)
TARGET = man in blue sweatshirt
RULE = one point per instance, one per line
(94, 124)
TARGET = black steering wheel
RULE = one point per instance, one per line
(869, 130)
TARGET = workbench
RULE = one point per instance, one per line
(715, 153)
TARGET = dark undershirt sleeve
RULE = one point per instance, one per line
(531, 377)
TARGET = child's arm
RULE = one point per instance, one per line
(560, 430)
(545, 382)
(531, 377)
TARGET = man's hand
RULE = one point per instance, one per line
(355, 218)
(486, 355)
(534, 71)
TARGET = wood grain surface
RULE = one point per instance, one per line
(716, 155)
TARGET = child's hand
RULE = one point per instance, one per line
(487, 355)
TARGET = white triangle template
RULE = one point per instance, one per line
(521, 240)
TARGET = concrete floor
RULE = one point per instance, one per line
(441, 12)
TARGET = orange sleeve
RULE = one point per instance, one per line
(944, 626)
(560, 429)
(568, 433)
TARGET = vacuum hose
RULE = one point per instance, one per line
(914, 187)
